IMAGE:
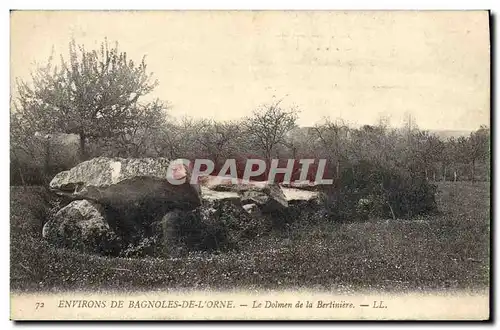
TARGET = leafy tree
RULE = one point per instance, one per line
(93, 94)
(451, 156)
(138, 139)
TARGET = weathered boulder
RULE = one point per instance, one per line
(128, 207)
(127, 181)
(268, 197)
(310, 186)
(215, 225)
(251, 208)
(224, 224)
(81, 225)
(174, 225)
(134, 193)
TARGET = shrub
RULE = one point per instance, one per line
(371, 190)
(298, 213)
(149, 246)
(216, 225)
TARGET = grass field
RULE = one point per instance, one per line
(444, 252)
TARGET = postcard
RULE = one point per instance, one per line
(250, 165)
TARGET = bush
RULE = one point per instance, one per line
(31, 207)
(371, 190)
(216, 225)
(149, 246)
(299, 213)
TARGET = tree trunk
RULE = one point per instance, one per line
(444, 174)
(267, 155)
(19, 167)
(426, 175)
(83, 151)
(473, 172)
(392, 211)
(46, 163)
(434, 176)
(22, 177)
(455, 176)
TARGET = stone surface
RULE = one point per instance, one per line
(81, 225)
(268, 197)
(296, 194)
(119, 181)
(130, 203)
(216, 187)
(208, 194)
(251, 208)
(301, 185)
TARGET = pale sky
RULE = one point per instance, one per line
(353, 65)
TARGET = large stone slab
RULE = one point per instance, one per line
(125, 181)
(296, 194)
(268, 197)
(216, 187)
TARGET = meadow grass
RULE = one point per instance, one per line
(441, 252)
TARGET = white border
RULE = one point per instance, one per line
(190, 4)
(257, 4)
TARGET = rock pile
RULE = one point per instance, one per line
(117, 204)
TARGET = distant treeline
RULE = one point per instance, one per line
(90, 105)
(454, 159)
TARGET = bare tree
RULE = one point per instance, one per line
(475, 148)
(269, 125)
(428, 150)
(332, 136)
(138, 138)
(217, 139)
